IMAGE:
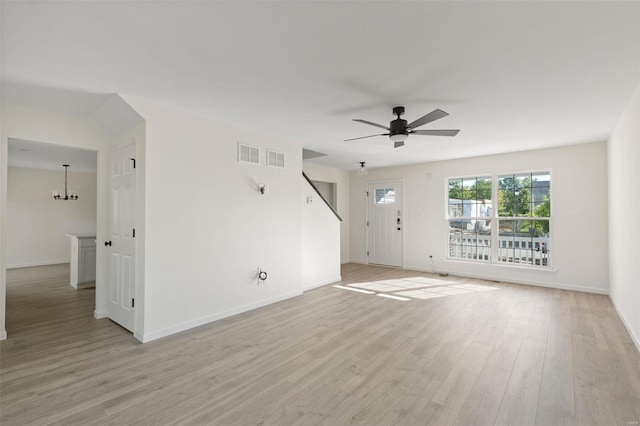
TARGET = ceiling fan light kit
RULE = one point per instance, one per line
(362, 169)
(399, 130)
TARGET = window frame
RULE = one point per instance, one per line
(495, 219)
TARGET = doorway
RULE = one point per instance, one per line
(385, 223)
(47, 204)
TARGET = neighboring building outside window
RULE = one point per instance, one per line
(517, 233)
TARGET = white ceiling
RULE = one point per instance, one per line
(46, 156)
(513, 75)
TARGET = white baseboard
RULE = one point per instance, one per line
(559, 286)
(3, 334)
(635, 338)
(138, 336)
(42, 263)
(85, 285)
(148, 337)
(100, 314)
(322, 283)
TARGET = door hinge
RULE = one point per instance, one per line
(133, 302)
(134, 232)
(367, 193)
(134, 162)
(367, 252)
(367, 223)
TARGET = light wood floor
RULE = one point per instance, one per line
(514, 355)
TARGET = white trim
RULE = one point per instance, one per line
(100, 314)
(486, 263)
(322, 283)
(90, 284)
(3, 335)
(634, 338)
(41, 263)
(148, 337)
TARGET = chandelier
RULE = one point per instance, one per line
(68, 195)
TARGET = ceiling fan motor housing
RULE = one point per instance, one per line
(398, 126)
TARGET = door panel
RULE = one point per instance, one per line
(385, 223)
(122, 259)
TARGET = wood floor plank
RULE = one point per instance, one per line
(477, 353)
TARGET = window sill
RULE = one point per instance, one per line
(502, 265)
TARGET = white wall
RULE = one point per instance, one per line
(341, 178)
(320, 241)
(44, 126)
(624, 224)
(208, 228)
(37, 224)
(579, 210)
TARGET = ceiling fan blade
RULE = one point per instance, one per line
(364, 137)
(371, 124)
(435, 132)
(398, 144)
(434, 115)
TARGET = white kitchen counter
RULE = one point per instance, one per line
(83, 260)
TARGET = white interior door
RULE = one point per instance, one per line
(122, 249)
(384, 223)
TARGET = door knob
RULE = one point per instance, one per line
(107, 243)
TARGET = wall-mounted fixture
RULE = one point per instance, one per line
(362, 170)
(68, 195)
(262, 276)
(263, 188)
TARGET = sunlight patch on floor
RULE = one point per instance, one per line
(391, 296)
(355, 289)
(415, 288)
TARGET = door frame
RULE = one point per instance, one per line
(100, 285)
(402, 216)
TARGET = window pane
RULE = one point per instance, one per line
(455, 189)
(468, 244)
(541, 194)
(379, 195)
(483, 188)
(524, 242)
(385, 196)
(470, 197)
(468, 186)
(514, 195)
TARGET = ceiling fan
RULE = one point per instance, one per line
(399, 130)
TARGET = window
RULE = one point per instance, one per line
(516, 232)
(524, 209)
(469, 218)
(385, 196)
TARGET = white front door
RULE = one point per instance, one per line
(384, 223)
(122, 249)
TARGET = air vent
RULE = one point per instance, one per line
(275, 159)
(248, 154)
